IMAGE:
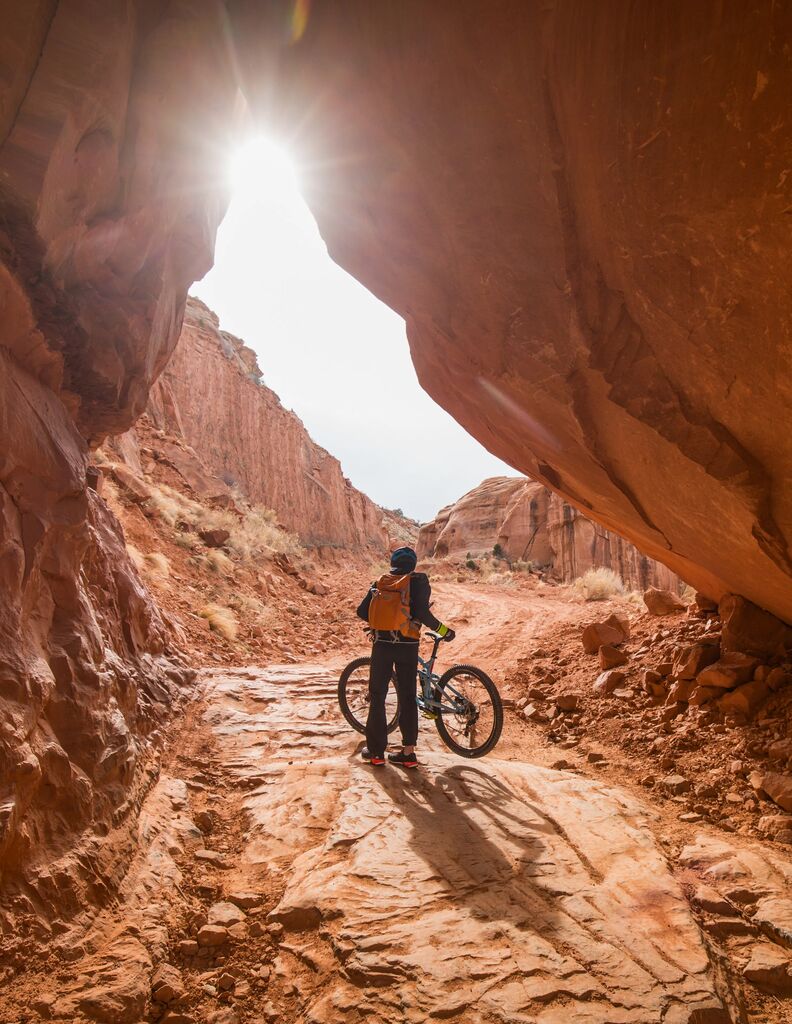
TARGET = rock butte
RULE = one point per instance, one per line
(529, 522)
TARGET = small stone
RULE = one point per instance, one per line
(611, 657)
(226, 914)
(212, 935)
(211, 857)
(534, 714)
(246, 900)
(676, 784)
(226, 981)
(560, 765)
(594, 757)
(214, 538)
(774, 917)
(275, 929)
(607, 682)
(567, 701)
(188, 947)
(166, 984)
(205, 821)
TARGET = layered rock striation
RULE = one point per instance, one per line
(211, 395)
(530, 522)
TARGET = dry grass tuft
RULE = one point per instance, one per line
(599, 584)
(221, 620)
(157, 563)
(253, 532)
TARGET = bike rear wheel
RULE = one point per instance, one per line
(470, 715)
(353, 696)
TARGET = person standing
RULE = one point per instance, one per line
(395, 607)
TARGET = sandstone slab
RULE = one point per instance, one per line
(663, 602)
(543, 878)
(728, 671)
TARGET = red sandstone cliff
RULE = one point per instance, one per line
(212, 396)
(531, 523)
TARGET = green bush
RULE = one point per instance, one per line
(470, 564)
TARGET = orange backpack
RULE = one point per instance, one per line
(390, 606)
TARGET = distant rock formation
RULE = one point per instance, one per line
(211, 396)
(530, 522)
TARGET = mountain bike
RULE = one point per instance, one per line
(463, 702)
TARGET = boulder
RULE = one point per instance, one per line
(663, 602)
(681, 691)
(611, 632)
(779, 788)
(780, 750)
(215, 538)
(728, 671)
(611, 657)
(607, 682)
(748, 628)
(777, 678)
(704, 695)
(689, 661)
(746, 700)
(133, 487)
(652, 683)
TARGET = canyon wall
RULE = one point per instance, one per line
(582, 211)
(109, 116)
(531, 523)
(212, 396)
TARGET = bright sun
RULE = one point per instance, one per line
(263, 169)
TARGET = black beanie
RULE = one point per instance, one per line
(404, 560)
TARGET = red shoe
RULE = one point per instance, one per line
(403, 760)
(377, 760)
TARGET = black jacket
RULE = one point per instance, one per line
(420, 592)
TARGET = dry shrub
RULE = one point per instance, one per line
(157, 563)
(252, 532)
(688, 595)
(221, 620)
(137, 557)
(219, 562)
(184, 540)
(248, 606)
(599, 584)
(522, 565)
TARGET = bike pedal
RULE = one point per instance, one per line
(429, 714)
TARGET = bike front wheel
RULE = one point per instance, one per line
(353, 696)
(470, 712)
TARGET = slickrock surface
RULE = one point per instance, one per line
(486, 891)
(530, 522)
(212, 396)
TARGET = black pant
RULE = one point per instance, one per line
(384, 656)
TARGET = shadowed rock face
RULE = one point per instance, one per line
(531, 523)
(111, 116)
(582, 213)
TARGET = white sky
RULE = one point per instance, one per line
(329, 348)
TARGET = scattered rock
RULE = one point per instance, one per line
(779, 789)
(689, 661)
(611, 657)
(211, 857)
(246, 900)
(750, 629)
(769, 968)
(729, 671)
(663, 602)
(212, 935)
(676, 784)
(607, 682)
(205, 821)
(188, 947)
(166, 984)
(681, 691)
(225, 914)
(613, 631)
(567, 701)
(534, 714)
(215, 538)
(746, 700)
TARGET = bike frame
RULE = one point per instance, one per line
(429, 678)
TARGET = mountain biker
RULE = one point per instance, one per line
(397, 648)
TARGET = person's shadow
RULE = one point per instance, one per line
(482, 842)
